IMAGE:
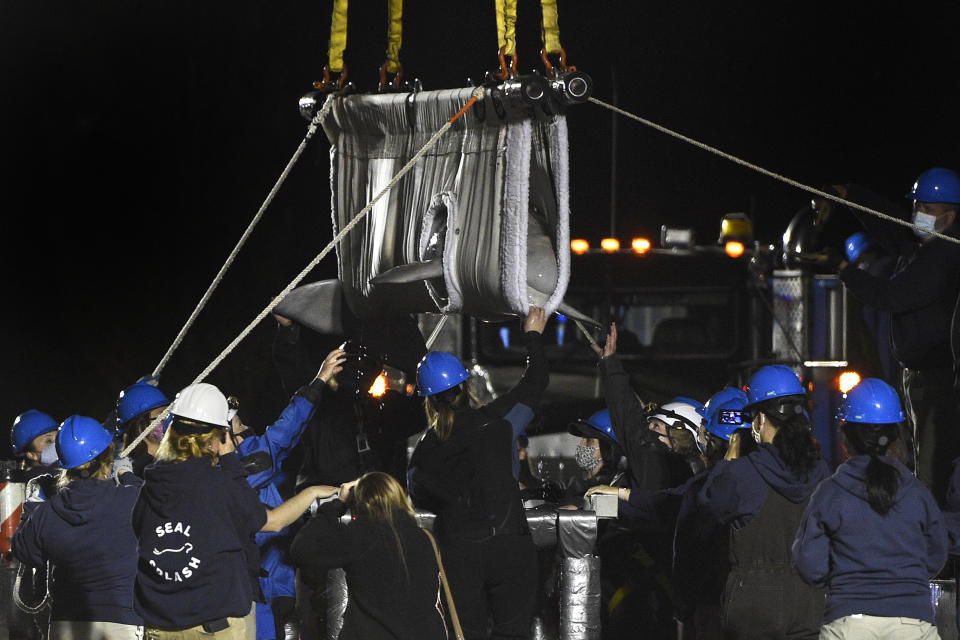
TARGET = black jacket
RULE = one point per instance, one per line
(921, 293)
(392, 596)
(651, 465)
(467, 479)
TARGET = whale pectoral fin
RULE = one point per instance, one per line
(570, 312)
(412, 272)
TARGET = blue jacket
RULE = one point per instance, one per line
(193, 521)
(871, 564)
(735, 490)
(84, 531)
(277, 441)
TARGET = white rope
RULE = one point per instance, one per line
(771, 174)
(478, 92)
(436, 331)
(311, 130)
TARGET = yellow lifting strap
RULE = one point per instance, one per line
(551, 27)
(507, 26)
(394, 34)
(338, 35)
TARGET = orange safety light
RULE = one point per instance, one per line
(733, 248)
(640, 245)
(579, 246)
(610, 245)
(847, 380)
(379, 386)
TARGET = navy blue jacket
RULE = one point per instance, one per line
(735, 490)
(193, 521)
(871, 564)
(84, 531)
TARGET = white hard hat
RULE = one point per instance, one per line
(679, 415)
(202, 403)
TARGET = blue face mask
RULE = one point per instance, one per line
(925, 223)
(49, 455)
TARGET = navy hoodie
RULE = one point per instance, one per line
(84, 531)
(735, 490)
(871, 564)
(193, 521)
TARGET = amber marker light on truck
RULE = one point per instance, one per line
(579, 246)
(847, 380)
(640, 245)
(610, 245)
(379, 386)
(733, 248)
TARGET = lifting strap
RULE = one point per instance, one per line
(394, 34)
(551, 27)
(507, 26)
(338, 36)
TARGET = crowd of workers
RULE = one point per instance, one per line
(731, 524)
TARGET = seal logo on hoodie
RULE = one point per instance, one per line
(171, 557)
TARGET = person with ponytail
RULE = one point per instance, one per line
(872, 534)
(389, 561)
(84, 531)
(195, 521)
(463, 471)
(762, 497)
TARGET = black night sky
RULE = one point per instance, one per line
(138, 139)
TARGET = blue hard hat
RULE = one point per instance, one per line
(773, 381)
(936, 185)
(27, 426)
(872, 401)
(439, 371)
(138, 399)
(856, 244)
(723, 413)
(597, 425)
(80, 440)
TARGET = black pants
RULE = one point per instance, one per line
(930, 405)
(770, 605)
(496, 576)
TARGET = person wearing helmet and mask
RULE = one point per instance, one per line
(462, 470)
(649, 462)
(762, 497)
(34, 439)
(872, 534)
(920, 295)
(195, 521)
(84, 531)
(598, 456)
(137, 407)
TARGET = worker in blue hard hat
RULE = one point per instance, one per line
(598, 456)
(84, 531)
(34, 439)
(138, 406)
(920, 294)
(462, 470)
(872, 534)
(762, 497)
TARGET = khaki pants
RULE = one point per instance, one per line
(864, 627)
(67, 630)
(236, 631)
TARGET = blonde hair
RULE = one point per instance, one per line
(440, 408)
(100, 468)
(378, 496)
(180, 447)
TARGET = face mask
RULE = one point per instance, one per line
(586, 459)
(926, 223)
(49, 455)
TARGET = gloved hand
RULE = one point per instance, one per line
(121, 466)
